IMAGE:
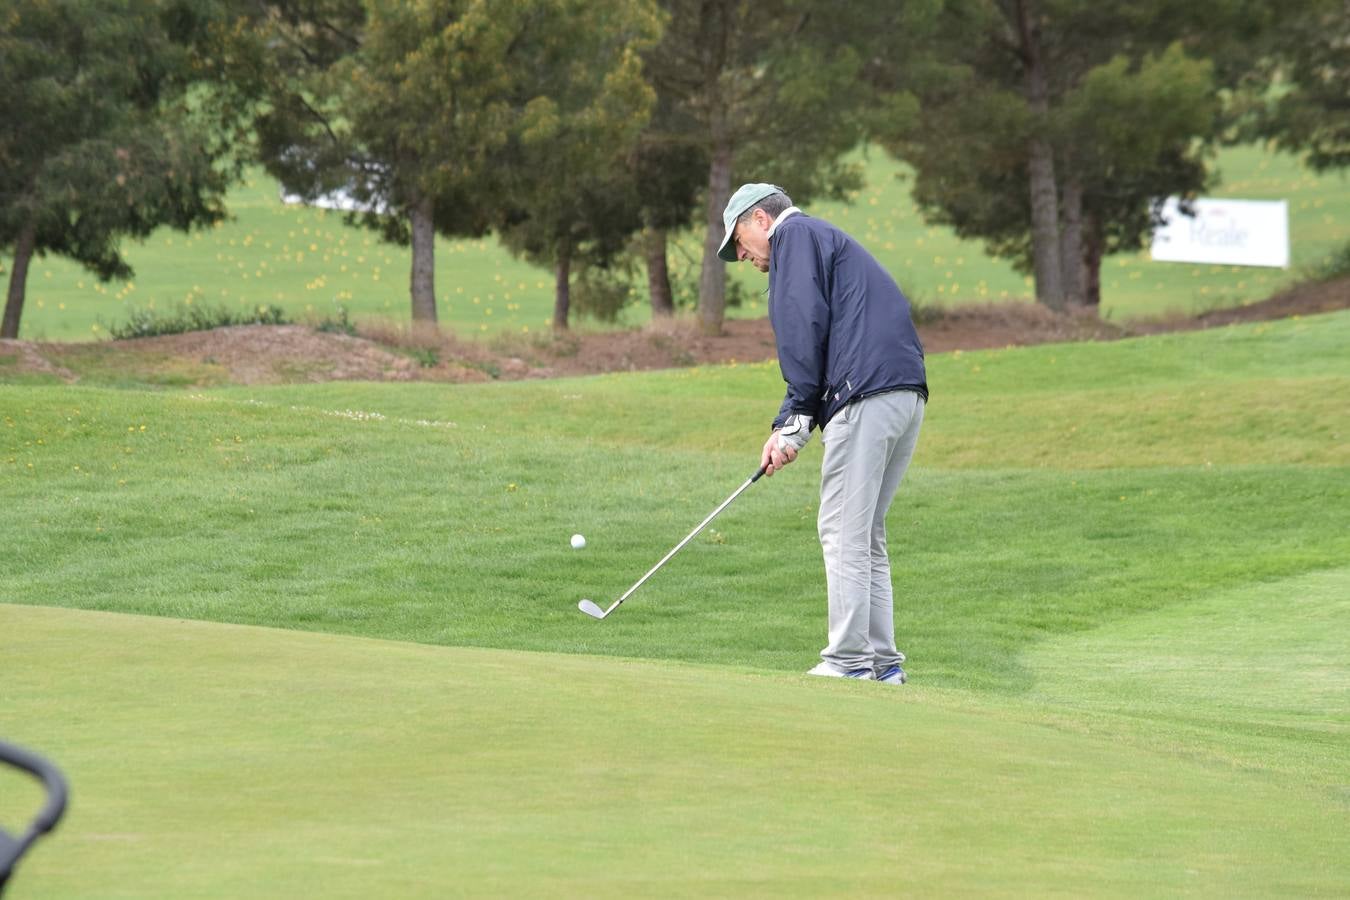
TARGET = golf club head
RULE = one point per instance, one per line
(590, 609)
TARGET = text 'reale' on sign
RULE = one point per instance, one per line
(1224, 232)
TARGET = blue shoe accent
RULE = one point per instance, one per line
(858, 673)
(892, 675)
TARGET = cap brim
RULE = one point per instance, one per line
(727, 252)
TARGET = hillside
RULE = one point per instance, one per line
(379, 352)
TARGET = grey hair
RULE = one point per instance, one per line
(774, 204)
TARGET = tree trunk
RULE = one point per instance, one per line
(1045, 225)
(18, 280)
(423, 261)
(1071, 243)
(562, 293)
(1040, 167)
(712, 286)
(658, 272)
(1092, 264)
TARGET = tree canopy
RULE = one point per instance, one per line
(1305, 92)
(436, 114)
(101, 136)
(1052, 129)
(1049, 129)
(768, 98)
(570, 197)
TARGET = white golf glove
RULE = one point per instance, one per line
(796, 431)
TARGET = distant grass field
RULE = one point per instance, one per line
(1121, 583)
(309, 263)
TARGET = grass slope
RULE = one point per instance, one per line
(1121, 584)
(309, 263)
(220, 761)
(1258, 671)
(1056, 488)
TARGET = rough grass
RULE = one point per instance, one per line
(441, 513)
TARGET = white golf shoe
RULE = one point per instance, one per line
(830, 671)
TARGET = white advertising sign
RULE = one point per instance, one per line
(1226, 232)
(338, 199)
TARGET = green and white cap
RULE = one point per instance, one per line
(745, 198)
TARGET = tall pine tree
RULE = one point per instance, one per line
(1052, 128)
(100, 137)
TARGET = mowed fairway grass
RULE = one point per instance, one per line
(322, 640)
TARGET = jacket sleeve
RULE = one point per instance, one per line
(800, 312)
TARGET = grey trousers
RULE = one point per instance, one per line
(868, 446)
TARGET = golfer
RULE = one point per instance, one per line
(854, 369)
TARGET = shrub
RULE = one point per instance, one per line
(339, 323)
(147, 322)
(1334, 265)
(602, 293)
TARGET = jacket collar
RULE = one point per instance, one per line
(790, 211)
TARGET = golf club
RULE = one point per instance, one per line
(590, 608)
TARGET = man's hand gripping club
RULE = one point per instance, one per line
(782, 446)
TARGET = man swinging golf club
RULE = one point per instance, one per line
(854, 369)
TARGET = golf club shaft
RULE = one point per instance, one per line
(689, 537)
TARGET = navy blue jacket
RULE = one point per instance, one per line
(842, 324)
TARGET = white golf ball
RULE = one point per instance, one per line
(578, 542)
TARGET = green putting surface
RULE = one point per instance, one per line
(211, 760)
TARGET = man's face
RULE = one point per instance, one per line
(752, 239)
